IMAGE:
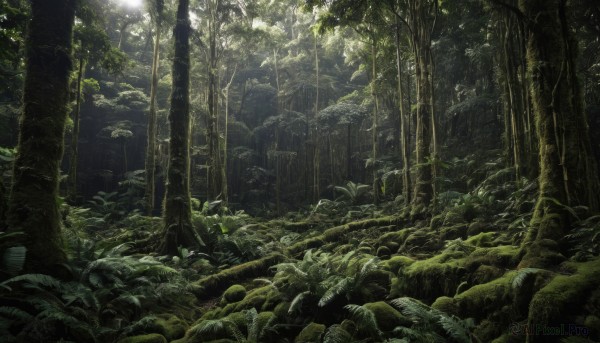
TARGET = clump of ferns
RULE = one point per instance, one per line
(250, 331)
(106, 293)
(585, 238)
(320, 279)
(431, 325)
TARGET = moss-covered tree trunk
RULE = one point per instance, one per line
(404, 134)
(150, 163)
(33, 206)
(567, 175)
(178, 229)
(421, 26)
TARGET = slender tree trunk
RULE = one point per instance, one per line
(33, 207)
(72, 182)
(403, 123)
(374, 129)
(567, 168)
(317, 155)
(225, 154)
(178, 229)
(150, 164)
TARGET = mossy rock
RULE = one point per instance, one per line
(446, 305)
(563, 297)
(311, 333)
(171, 326)
(481, 300)
(386, 316)
(543, 253)
(488, 330)
(396, 263)
(149, 338)
(391, 239)
(484, 239)
(431, 278)
(436, 222)
(421, 241)
(234, 294)
(476, 228)
(485, 274)
(213, 284)
(453, 232)
(504, 256)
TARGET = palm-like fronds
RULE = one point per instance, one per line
(364, 318)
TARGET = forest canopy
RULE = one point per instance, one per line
(299, 171)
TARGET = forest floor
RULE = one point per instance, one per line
(337, 272)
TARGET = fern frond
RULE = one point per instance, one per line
(33, 280)
(336, 334)
(297, 302)
(341, 288)
(522, 275)
(364, 318)
(252, 324)
(416, 311)
(370, 266)
(15, 313)
(456, 328)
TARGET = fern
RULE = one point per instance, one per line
(15, 313)
(364, 318)
(522, 275)
(456, 328)
(32, 281)
(336, 334)
(297, 302)
(344, 286)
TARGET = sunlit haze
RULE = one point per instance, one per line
(131, 3)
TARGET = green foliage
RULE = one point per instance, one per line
(430, 323)
(585, 238)
(352, 192)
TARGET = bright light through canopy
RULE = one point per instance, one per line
(131, 3)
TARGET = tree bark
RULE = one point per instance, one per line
(150, 164)
(72, 182)
(567, 175)
(33, 205)
(178, 229)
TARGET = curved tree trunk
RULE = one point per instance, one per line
(567, 168)
(178, 230)
(34, 196)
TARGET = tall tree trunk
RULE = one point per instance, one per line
(567, 168)
(72, 181)
(317, 154)
(178, 229)
(421, 26)
(404, 134)
(150, 164)
(33, 205)
(374, 138)
(215, 182)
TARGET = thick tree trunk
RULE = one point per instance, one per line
(150, 164)
(567, 169)
(34, 196)
(178, 230)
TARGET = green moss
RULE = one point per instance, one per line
(397, 238)
(506, 256)
(386, 316)
(446, 304)
(422, 240)
(476, 228)
(484, 239)
(234, 294)
(396, 263)
(453, 232)
(428, 279)
(311, 333)
(383, 251)
(336, 234)
(543, 253)
(481, 300)
(487, 330)
(171, 326)
(563, 296)
(149, 338)
(211, 285)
